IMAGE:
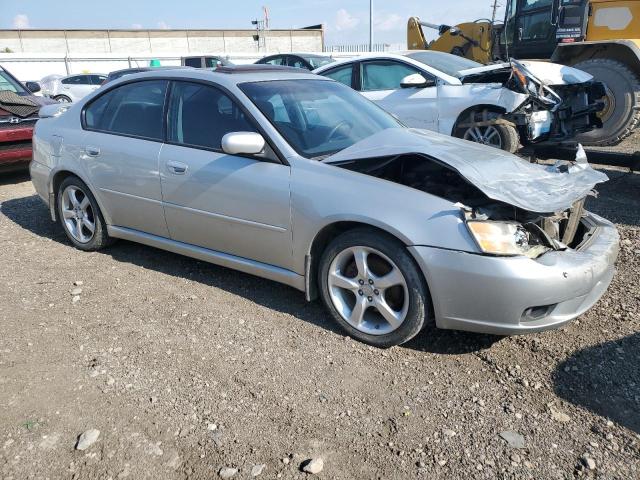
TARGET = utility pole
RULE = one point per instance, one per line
(495, 9)
(370, 25)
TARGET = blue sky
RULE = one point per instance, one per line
(346, 21)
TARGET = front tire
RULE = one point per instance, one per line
(621, 114)
(502, 136)
(80, 216)
(373, 289)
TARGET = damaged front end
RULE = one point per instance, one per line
(511, 207)
(562, 101)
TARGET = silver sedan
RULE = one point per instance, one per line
(299, 179)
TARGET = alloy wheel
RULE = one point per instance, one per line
(368, 290)
(488, 135)
(78, 215)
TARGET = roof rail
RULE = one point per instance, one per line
(257, 68)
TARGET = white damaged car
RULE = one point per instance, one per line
(501, 105)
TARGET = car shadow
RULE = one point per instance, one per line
(605, 379)
(14, 177)
(31, 214)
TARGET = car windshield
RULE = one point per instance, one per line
(318, 117)
(317, 62)
(444, 62)
(7, 82)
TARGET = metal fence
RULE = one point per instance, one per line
(363, 47)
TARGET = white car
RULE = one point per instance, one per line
(500, 105)
(72, 88)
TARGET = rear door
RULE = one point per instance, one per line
(121, 143)
(229, 203)
(416, 107)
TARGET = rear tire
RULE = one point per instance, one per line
(80, 216)
(392, 283)
(622, 110)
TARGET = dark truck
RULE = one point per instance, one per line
(19, 109)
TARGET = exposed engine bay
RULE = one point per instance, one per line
(535, 233)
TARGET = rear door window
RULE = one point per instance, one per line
(195, 62)
(76, 80)
(297, 62)
(97, 79)
(134, 109)
(200, 115)
(281, 60)
(384, 74)
(341, 74)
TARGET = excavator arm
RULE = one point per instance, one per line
(471, 40)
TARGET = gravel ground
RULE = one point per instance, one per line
(193, 371)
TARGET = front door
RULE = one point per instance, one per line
(228, 203)
(120, 148)
(415, 107)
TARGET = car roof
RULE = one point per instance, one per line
(391, 56)
(229, 76)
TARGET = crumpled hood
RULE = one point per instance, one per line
(498, 174)
(548, 73)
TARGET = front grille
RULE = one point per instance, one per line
(24, 122)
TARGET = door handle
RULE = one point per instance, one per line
(177, 168)
(92, 151)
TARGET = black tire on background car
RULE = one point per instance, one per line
(502, 136)
(62, 99)
(80, 216)
(373, 288)
(622, 102)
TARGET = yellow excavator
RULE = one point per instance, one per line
(601, 37)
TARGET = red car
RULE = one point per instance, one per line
(18, 114)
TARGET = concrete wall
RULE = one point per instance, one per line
(166, 42)
(38, 53)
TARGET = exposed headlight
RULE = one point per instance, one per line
(504, 238)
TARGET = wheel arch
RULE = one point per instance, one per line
(623, 51)
(56, 179)
(489, 107)
(322, 239)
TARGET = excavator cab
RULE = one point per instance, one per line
(533, 28)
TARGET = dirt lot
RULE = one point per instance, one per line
(186, 368)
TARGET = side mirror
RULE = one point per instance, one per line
(416, 80)
(34, 87)
(247, 143)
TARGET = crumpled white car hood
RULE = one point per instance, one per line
(498, 174)
(548, 73)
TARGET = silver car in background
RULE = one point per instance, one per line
(299, 179)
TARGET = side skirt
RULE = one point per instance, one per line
(245, 265)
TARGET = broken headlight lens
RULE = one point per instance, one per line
(503, 238)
